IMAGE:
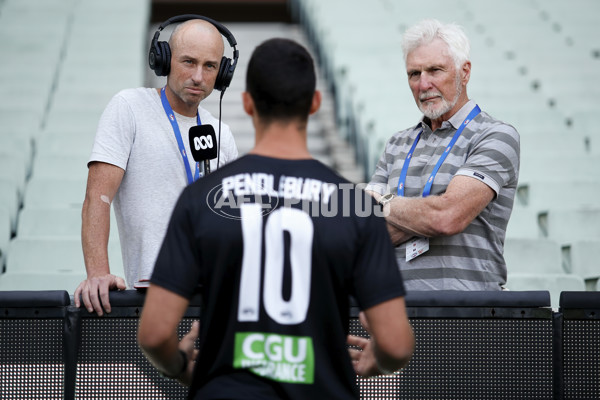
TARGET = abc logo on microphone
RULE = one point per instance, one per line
(203, 142)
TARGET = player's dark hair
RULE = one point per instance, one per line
(281, 80)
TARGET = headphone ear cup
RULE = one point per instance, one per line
(225, 74)
(159, 58)
(153, 56)
(165, 59)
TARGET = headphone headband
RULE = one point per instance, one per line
(186, 17)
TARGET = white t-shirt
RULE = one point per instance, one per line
(134, 133)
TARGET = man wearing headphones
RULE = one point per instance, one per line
(140, 156)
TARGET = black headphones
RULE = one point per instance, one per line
(159, 57)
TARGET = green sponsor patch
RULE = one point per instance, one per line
(281, 358)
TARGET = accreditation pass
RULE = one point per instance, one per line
(415, 247)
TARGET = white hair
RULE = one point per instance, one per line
(428, 30)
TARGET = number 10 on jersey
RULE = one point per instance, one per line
(300, 228)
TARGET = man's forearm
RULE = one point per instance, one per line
(398, 233)
(95, 227)
(398, 236)
(167, 358)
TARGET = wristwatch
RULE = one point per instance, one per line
(386, 198)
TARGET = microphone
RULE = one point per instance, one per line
(203, 144)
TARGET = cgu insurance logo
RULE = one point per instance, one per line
(203, 142)
(281, 358)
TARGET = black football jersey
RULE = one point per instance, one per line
(276, 248)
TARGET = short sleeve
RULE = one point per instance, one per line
(379, 179)
(376, 274)
(115, 134)
(494, 159)
(177, 266)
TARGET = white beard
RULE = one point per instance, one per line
(431, 111)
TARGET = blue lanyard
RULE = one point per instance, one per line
(177, 132)
(427, 189)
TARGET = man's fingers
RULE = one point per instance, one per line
(103, 290)
(120, 282)
(363, 321)
(354, 354)
(95, 293)
(192, 334)
(85, 296)
(357, 341)
(195, 330)
(77, 294)
(94, 299)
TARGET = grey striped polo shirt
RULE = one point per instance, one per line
(487, 150)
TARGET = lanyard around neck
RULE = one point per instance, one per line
(177, 132)
(427, 189)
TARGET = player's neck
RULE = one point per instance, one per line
(287, 141)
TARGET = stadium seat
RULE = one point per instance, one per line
(552, 142)
(41, 280)
(55, 193)
(88, 99)
(40, 222)
(23, 98)
(13, 168)
(534, 166)
(61, 166)
(84, 121)
(566, 225)
(523, 223)
(9, 200)
(16, 143)
(55, 255)
(552, 282)
(548, 193)
(584, 120)
(5, 231)
(582, 257)
(19, 129)
(67, 143)
(527, 255)
(40, 38)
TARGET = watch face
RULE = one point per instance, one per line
(383, 200)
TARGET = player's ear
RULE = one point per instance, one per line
(316, 102)
(248, 103)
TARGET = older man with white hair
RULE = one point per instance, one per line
(449, 182)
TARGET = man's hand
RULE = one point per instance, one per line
(363, 360)
(397, 236)
(94, 292)
(187, 345)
